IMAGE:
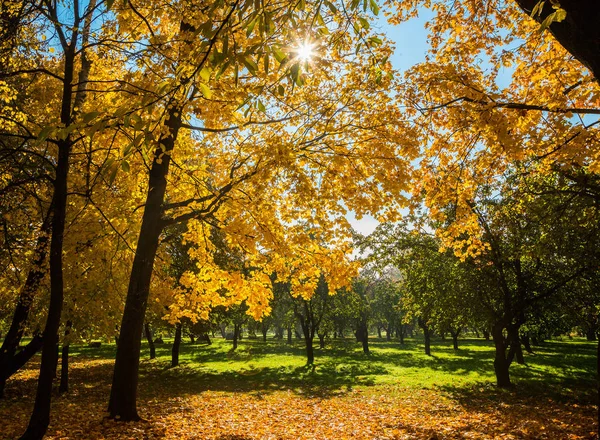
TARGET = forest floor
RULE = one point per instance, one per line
(264, 391)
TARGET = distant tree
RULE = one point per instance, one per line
(310, 313)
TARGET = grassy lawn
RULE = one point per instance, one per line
(265, 390)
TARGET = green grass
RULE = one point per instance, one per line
(396, 392)
(559, 369)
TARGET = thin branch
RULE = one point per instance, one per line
(518, 106)
(235, 127)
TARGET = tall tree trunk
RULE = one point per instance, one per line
(501, 364)
(150, 340)
(289, 334)
(427, 336)
(123, 392)
(401, 331)
(176, 346)
(40, 417)
(379, 332)
(388, 332)
(64, 364)
(17, 327)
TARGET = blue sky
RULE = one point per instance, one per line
(410, 38)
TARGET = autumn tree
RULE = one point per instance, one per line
(310, 311)
(261, 157)
(500, 84)
(50, 132)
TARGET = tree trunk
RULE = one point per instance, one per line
(501, 364)
(519, 352)
(150, 340)
(514, 343)
(379, 332)
(590, 334)
(310, 354)
(289, 334)
(365, 345)
(486, 334)
(427, 335)
(123, 393)
(236, 335)
(388, 332)
(321, 341)
(526, 344)
(40, 417)
(192, 339)
(17, 362)
(455, 338)
(362, 335)
(401, 333)
(17, 327)
(579, 33)
(64, 364)
(264, 330)
(176, 345)
(598, 380)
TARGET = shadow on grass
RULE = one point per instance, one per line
(321, 380)
(559, 370)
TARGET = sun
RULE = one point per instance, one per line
(305, 51)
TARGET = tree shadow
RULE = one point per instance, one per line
(322, 380)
